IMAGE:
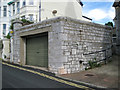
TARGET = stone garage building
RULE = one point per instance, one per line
(61, 45)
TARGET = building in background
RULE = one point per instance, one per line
(24, 9)
(39, 10)
(4, 19)
(117, 24)
(68, 8)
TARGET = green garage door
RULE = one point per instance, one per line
(37, 50)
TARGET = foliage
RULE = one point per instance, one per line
(11, 27)
(8, 36)
(26, 21)
(109, 24)
(86, 68)
(93, 64)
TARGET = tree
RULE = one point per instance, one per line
(26, 22)
(109, 24)
(8, 36)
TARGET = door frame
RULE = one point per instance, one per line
(23, 42)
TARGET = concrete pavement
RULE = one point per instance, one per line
(105, 76)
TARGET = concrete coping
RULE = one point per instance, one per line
(66, 19)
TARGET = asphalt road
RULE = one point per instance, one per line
(16, 78)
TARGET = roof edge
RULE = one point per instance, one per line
(87, 18)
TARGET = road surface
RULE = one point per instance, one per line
(19, 77)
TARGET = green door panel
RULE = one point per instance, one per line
(37, 50)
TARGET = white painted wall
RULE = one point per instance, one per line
(64, 8)
(69, 8)
(6, 49)
(4, 20)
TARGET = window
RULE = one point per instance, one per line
(4, 29)
(31, 2)
(13, 9)
(4, 11)
(18, 7)
(24, 3)
(31, 17)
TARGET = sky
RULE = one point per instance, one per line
(100, 11)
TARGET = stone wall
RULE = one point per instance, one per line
(71, 43)
(118, 29)
(85, 42)
(116, 5)
(15, 43)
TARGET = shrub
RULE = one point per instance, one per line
(93, 64)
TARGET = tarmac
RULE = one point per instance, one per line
(105, 76)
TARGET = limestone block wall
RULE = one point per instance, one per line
(118, 30)
(85, 42)
(71, 43)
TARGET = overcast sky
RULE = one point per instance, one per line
(101, 11)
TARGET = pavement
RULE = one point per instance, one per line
(105, 76)
(16, 77)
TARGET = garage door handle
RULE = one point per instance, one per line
(38, 52)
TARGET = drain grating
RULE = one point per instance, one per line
(89, 75)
